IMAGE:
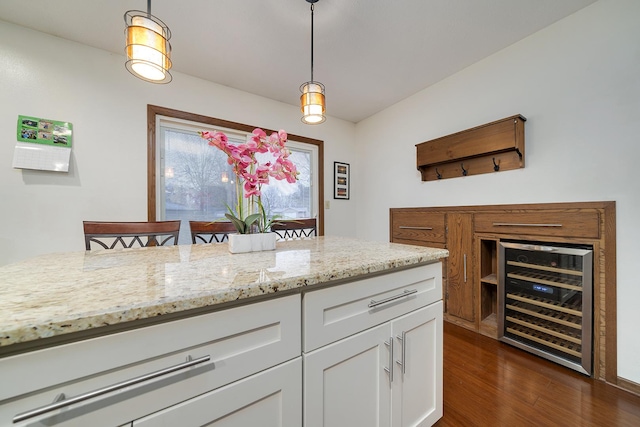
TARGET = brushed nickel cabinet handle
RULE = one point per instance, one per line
(61, 401)
(465, 268)
(405, 293)
(389, 369)
(403, 360)
(515, 224)
(408, 227)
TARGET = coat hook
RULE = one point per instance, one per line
(496, 167)
(519, 153)
(464, 171)
(438, 174)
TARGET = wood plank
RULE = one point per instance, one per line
(488, 138)
(490, 383)
(460, 284)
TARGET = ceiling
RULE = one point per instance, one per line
(369, 54)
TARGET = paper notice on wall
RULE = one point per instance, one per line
(41, 157)
(43, 144)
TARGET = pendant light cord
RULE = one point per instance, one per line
(149, 7)
(311, 41)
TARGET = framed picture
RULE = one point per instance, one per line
(341, 180)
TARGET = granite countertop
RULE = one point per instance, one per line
(57, 294)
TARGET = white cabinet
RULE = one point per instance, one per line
(232, 344)
(334, 313)
(272, 398)
(417, 381)
(345, 383)
(388, 373)
(367, 353)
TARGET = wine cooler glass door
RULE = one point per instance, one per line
(545, 299)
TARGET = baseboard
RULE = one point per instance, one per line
(629, 386)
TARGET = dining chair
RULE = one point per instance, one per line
(295, 228)
(211, 232)
(110, 235)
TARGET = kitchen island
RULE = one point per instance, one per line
(234, 330)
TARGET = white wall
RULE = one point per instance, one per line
(48, 77)
(578, 84)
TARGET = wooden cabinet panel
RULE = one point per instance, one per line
(460, 295)
(418, 226)
(440, 245)
(540, 223)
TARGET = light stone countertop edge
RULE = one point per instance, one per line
(59, 294)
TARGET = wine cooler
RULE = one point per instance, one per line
(545, 301)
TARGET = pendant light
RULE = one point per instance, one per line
(312, 102)
(148, 49)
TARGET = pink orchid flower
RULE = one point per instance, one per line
(252, 174)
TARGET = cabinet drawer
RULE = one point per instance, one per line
(419, 226)
(440, 245)
(541, 223)
(269, 398)
(334, 313)
(238, 342)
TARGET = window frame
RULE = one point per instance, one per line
(153, 111)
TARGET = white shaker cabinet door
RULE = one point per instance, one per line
(417, 385)
(345, 383)
(272, 398)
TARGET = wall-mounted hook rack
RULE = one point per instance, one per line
(468, 152)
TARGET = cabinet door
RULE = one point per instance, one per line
(460, 295)
(345, 383)
(272, 398)
(417, 385)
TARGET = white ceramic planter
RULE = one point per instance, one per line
(241, 243)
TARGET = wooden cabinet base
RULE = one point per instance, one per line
(585, 223)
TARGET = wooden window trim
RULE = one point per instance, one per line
(153, 111)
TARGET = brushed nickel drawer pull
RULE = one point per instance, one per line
(408, 227)
(61, 402)
(513, 224)
(405, 293)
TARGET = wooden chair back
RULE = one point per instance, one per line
(211, 232)
(295, 228)
(110, 235)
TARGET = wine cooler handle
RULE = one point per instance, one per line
(61, 401)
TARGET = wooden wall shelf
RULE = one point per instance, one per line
(493, 147)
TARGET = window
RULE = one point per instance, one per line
(192, 181)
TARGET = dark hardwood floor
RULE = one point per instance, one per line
(489, 383)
